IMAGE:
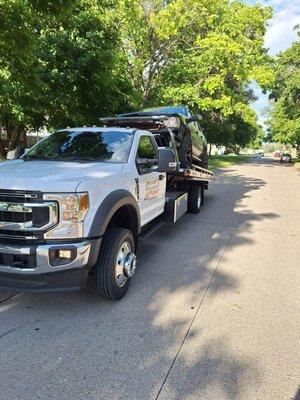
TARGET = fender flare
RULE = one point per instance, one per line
(109, 206)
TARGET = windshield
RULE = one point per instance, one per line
(83, 145)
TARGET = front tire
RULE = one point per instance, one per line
(116, 264)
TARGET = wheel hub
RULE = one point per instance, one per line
(126, 264)
(130, 265)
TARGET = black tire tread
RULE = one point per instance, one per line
(202, 195)
(183, 150)
(193, 199)
(107, 247)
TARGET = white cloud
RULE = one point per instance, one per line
(280, 33)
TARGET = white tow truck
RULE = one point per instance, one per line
(77, 201)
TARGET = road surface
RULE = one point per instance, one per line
(212, 313)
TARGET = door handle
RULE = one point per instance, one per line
(161, 177)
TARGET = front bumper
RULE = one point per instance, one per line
(39, 275)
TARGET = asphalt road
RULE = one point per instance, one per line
(212, 313)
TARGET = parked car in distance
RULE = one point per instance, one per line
(258, 154)
(286, 157)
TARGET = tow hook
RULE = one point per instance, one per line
(130, 265)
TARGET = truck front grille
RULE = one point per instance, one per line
(17, 196)
(39, 216)
(9, 216)
(22, 214)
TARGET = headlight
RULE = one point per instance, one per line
(72, 211)
(73, 208)
(172, 122)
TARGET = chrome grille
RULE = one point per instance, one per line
(24, 213)
(18, 196)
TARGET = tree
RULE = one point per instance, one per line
(20, 80)
(68, 70)
(260, 136)
(201, 53)
(82, 67)
(67, 62)
(284, 123)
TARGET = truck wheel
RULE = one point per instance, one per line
(116, 264)
(195, 199)
(185, 153)
(202, 188)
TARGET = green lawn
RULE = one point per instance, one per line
(225, 161)
(297, 162)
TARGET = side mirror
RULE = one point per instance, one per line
(195, 118)
(166, 160)
(145, 165)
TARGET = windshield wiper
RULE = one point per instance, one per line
(33, 158)
(79, 159)
(75, 159)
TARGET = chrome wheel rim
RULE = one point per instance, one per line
(124, 254)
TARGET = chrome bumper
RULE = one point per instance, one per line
(41, 254)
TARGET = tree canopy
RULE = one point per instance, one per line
(285, 114)
(204, 54)
(68, 62)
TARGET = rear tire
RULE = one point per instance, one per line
(110, 286)
(195, 199)
(202, 194)
(185, 152)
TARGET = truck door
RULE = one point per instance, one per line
(151, 183)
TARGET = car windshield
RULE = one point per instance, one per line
(83, 145)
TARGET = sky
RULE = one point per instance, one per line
(279, 36)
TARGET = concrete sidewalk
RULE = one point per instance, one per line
(212, 313)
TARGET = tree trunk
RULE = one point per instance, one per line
(14, 138)
(2, 148)
(24, 138)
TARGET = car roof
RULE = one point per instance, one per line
(99, 129)
(166, 110)
(170, 110)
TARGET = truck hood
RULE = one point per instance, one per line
(52, 176)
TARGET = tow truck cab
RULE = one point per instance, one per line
(76, 202)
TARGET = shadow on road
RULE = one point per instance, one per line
(95, 349)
